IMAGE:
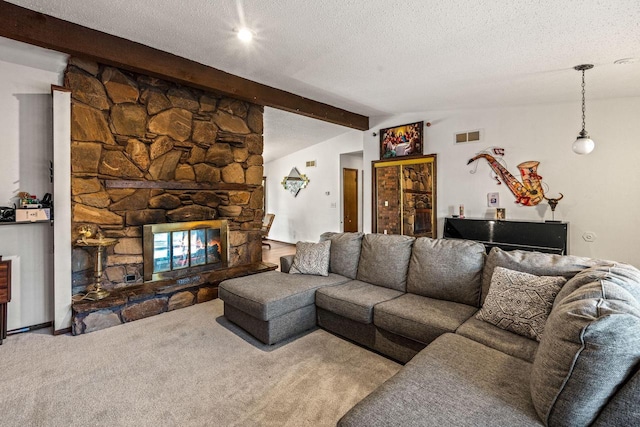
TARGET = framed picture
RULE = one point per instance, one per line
(401, 141)
(404, 196)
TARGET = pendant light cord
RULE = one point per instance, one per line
(584, 108)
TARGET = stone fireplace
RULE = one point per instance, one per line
(147, 151)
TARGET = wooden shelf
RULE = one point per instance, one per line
(46, 221)
(172, 185)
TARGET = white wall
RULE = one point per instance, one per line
(312, 212)
(27, 73)
(599, 189)
(62, 246)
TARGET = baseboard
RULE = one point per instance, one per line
(279, 241)
(30, 328)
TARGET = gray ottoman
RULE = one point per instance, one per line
(274, 306)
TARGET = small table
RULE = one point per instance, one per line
(97, 293)
(5, 295)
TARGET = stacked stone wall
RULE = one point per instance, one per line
(388, 200)
(132, 127)
(418, 200)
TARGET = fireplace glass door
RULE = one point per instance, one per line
(175, 249)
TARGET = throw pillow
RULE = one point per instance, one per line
(520, 302)
(537, 263)
(311, 258)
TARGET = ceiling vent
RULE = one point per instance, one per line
(311, 164)
(469, 136)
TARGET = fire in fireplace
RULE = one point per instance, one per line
(176, 249)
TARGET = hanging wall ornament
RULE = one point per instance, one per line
(295, 181)
(529, 192)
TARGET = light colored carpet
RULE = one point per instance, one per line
(189, 367)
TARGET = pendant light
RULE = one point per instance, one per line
(583, 144)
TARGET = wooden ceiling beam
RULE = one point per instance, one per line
(42, 30)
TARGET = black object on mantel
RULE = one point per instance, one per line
(549, 237)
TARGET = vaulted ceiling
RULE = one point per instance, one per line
(382, 57)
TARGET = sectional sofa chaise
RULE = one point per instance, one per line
(505, 339)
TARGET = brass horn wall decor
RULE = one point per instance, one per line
(529, 192)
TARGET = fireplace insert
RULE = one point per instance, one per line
(181, 248)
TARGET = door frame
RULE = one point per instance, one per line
(357, 186)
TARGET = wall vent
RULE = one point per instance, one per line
(468, 136)
(311, 164)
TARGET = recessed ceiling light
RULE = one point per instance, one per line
(245, 34)
(626, 61)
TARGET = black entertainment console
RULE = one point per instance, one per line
(549, 237)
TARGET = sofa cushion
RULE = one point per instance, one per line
(533, 263)
(520, 302)
(311, 258)
(384, 260)
(420, 318)
(286, 261)
(272, 294)
(623, 408)
(623, 275)
(454, 381)
(277, 329)
(494, 337)
(590, 348)
(449, 270)
(345, 252)
(354, 299)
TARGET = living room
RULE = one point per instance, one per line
(530, 114)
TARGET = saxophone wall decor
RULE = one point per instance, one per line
(529, 192)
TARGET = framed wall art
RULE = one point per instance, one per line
(404, 196)
(402, 141)
(295, 181)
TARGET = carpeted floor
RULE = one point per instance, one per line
(189, 367)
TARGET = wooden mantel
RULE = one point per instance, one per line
(175, 185)
(42, 30)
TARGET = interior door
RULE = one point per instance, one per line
(350, 199)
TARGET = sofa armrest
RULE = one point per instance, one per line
(285, 263)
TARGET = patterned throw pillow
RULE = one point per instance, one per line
(311, 258)
(520, 302)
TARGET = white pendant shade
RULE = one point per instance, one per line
(583, 145)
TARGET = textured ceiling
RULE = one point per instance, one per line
(380, 57)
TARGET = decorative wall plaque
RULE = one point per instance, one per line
(295, 181)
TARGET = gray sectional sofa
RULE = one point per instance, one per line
(416, 300)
